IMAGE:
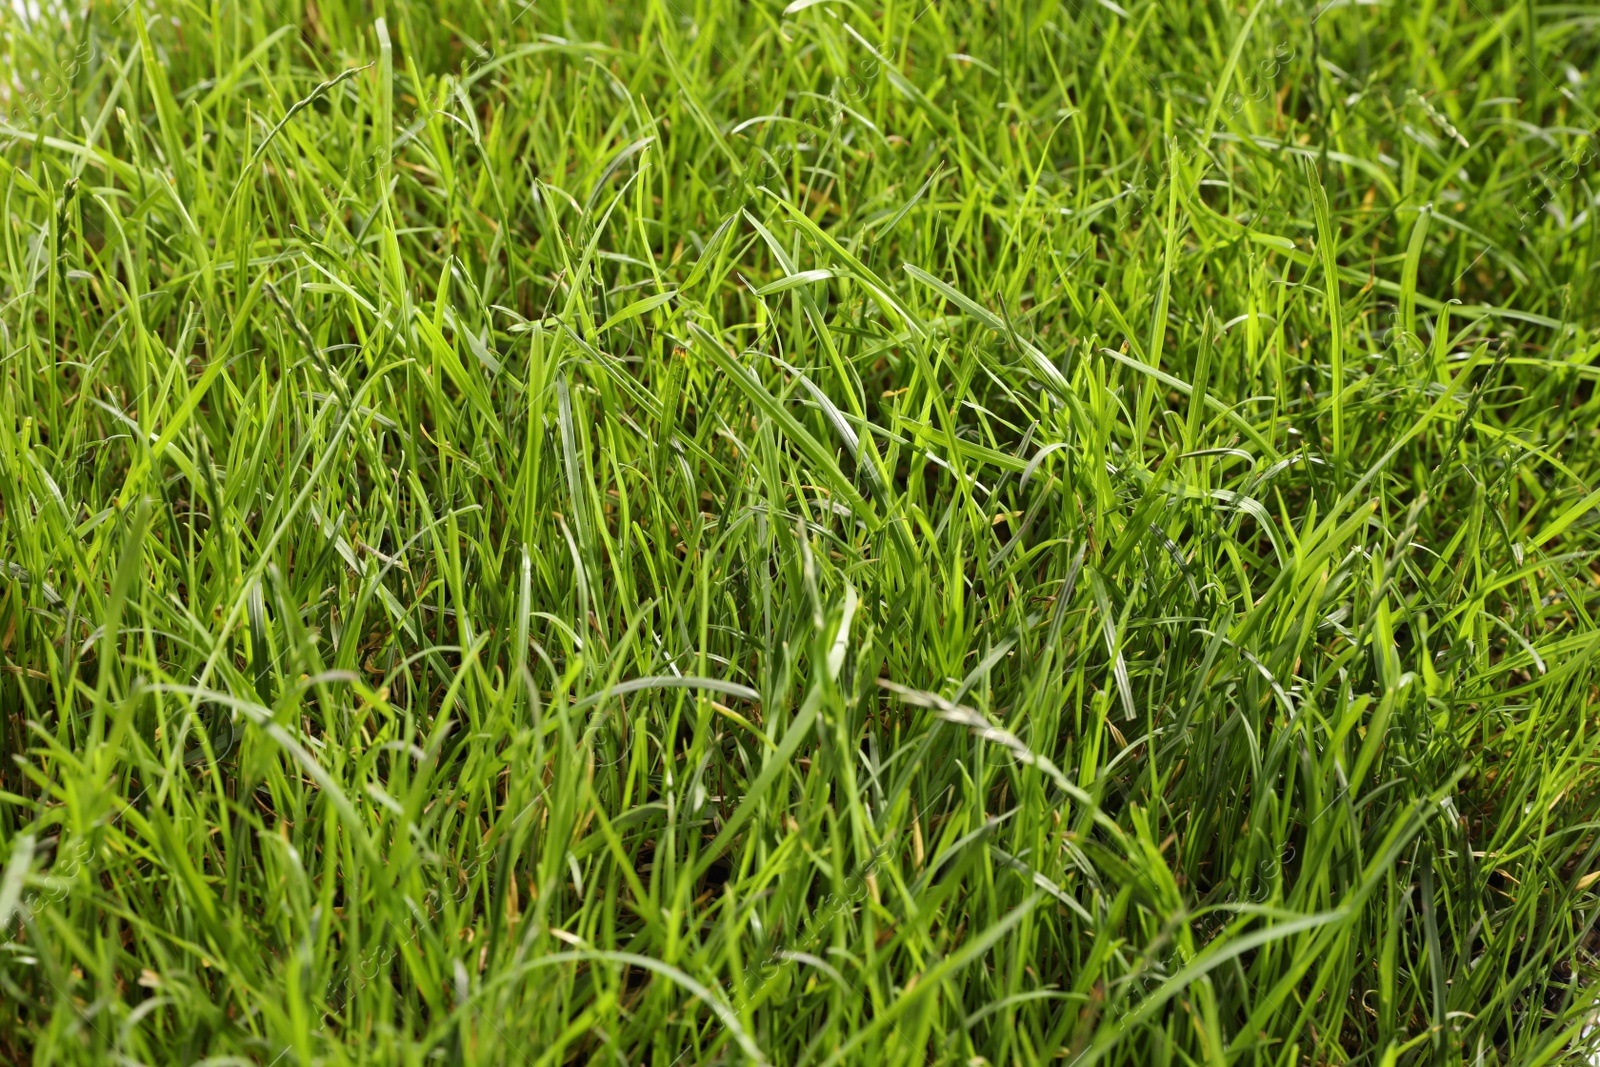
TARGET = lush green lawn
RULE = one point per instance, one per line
(680, 531)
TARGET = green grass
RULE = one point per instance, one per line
(681, 532)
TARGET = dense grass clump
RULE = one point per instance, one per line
(680, 532)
